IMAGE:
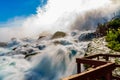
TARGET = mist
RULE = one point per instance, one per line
(61, 15)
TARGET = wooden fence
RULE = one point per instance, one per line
(100, 70)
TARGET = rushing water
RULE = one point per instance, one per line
(52, 61)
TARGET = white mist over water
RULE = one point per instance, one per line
(60, 15)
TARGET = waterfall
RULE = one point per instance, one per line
(28, 58)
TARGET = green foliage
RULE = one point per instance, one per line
(86, 66)
(103, 28)
(117, 60)
(113, 34)
(112, 38)
(114, 24)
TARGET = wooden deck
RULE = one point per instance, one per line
(99, 69)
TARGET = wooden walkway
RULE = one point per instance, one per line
(100, 70)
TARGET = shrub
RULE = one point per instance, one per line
(103, 28)
(112, 38)
(114, 24)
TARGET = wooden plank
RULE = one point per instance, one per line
(116, 78)
(97, 72)
(78, 68)
(109, 76)
(110, 55)
(90, 62)
(92, 56)
(103, 68)
(116, 65)
(107, 55)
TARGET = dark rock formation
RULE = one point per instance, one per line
(40, 37)
(87, 36)
(41, 47)
(62, 42)
(29, 55)
(73, 33)
(3, 44)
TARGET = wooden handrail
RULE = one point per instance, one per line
(98, 55)
(90, 62)
(93, 73)
(100, 69)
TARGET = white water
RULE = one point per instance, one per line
(54, 61)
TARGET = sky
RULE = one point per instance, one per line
(18, 8)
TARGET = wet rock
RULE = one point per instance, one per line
(26, 45)
(41, 47)
(65, 42)
(72, 53)
(87, 36)
(29, 55)
(24, 52)
(62, 42)
(30, 50)
(3, 44)
(59, 35)
(13, 42)
(73, 33)
(14, 48)
(40, 37)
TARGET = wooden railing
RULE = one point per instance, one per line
(100, 69)
(106, 56)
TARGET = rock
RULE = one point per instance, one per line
(40, 37)
(14, 48)
(23, 52)
(73, 33)
(29, 55)
(86, 36)
(58, 34)
(3, 44)
(56, 42)
(98, 46)
(62, 42)
(26, 45)
(30, 50)
(13, 42)
(41, 47)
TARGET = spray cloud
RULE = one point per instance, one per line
(61, 15)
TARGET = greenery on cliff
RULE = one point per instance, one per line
(113, 39)
(111, 30)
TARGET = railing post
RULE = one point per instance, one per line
(109, 76)
(106, 58)
(78, 68)
(98, 58)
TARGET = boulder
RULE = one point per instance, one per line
(59, 34)
(62, 42)
(29, 55)
(41, 47)
(87, 36)
(73, 33)
(3, 44)
(40, 37)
